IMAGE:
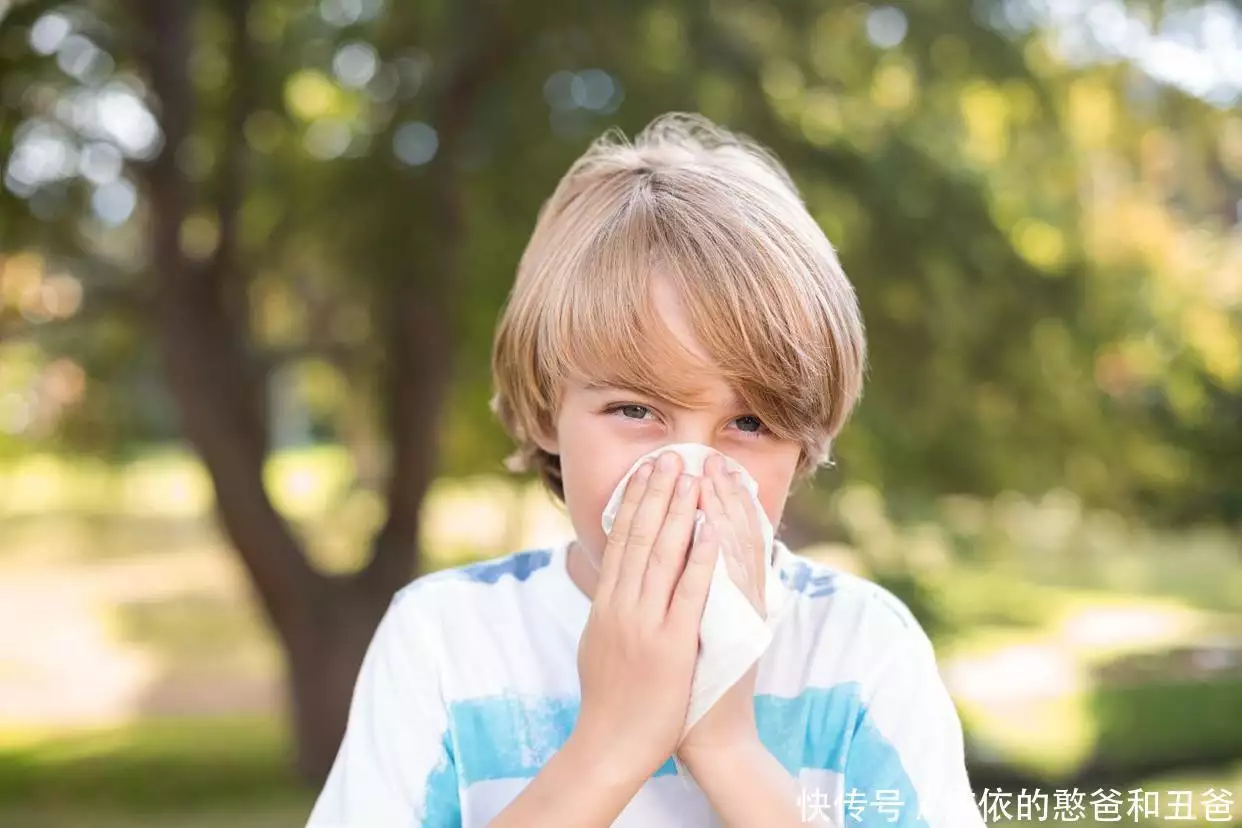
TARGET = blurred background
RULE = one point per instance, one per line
(251, 257)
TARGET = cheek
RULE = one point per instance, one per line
(590, 474)
(774, 481)
(773, 505)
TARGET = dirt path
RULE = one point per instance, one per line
(64, 663)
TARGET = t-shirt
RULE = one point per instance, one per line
(470, 685)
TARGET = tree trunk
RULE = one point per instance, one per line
(200, 318)
(323, 659)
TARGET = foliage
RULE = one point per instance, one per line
(1167, 721)
(1048, 303)
(255, 224)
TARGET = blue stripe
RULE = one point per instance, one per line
(521, 565)
(830, 729)
(874, 765)
(809, 579)
(512, 737)
(443, 803)
(809, 730)
(506, 737)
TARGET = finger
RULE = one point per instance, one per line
(745, 507)
(685, 609)
(668, 556)
(645, 528)
(757, 560)
(615, 547)
(728, 490)
(731, 541)
(713, 505)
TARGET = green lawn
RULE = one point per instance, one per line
(175, 772)
(138, 573)
(290, 815)
(200, 773)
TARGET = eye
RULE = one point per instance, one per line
(754, 426)
(630, 408)
(749, 424)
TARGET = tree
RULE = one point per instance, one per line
(199, 313)
(323, 621)
(307, 170)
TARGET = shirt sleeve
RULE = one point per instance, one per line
(395, 763)
(906, 763)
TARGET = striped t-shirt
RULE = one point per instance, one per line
(471, 684)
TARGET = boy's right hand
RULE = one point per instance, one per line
(637, 653)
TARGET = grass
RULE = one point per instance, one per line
(1046, 578)
(212, 773)
(175, 772)
(286, 815)
(156, 764)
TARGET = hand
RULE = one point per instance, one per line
(730, 722)
(731, 509)
(638, 650)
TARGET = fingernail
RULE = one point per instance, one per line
(668, 461)
(644, 471)
(684, 484)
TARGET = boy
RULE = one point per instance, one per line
(675, 290)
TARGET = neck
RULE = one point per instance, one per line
(581, 571)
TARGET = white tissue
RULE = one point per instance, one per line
(732, 634)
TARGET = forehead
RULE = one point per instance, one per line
(707, 393)
(648, 346)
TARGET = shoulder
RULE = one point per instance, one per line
(851, 627)
(486, 627)
(814, 582)
(491, 583)
(515, 567)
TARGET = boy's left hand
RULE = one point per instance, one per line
(731, 721)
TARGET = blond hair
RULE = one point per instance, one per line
(718, 216)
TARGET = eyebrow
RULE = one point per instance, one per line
(602, 385)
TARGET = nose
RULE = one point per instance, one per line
(697, 440)
(690, 432)
(695, 460)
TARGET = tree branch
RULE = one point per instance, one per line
(205, 358)
(419, 320)
(233, 163)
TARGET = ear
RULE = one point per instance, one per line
(547, 440)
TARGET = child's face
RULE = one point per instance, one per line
(601, 432)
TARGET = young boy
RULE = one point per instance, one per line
(675, 290)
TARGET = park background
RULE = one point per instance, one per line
(252, 253)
